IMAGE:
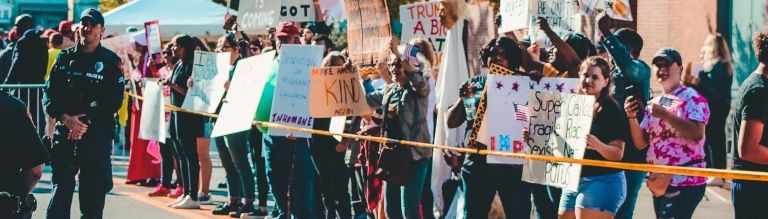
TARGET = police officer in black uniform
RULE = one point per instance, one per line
(83, 93)
(21, 160)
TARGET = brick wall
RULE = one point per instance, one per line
(680, 24)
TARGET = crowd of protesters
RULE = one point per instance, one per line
(321, 177)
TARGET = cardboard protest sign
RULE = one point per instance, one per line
(210, 72)
(423, 20)
(336, 91)
(152, 123)
(562, 16)
(154, 46)
(290, 103)
(507, 111)
(559, 125)
(368, 31)
(244, 95)
(515, 15)
(258, 15)
(297, 10)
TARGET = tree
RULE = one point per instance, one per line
(107, 5)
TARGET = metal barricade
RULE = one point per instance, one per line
(31, 95)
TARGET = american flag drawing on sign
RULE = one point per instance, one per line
(521, 113)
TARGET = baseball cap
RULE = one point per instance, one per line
(24, 19)
(140, 38)
(92, 14)
(287, 29)
(65, 26)
(668, 54)
(48, 33)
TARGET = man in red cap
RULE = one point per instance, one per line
(65, 28)
(288, 158)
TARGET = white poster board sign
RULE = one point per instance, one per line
(152, 123)
(297, 11)
(290, 103)
(244, 95)
(209, 74)
(423, 20)
(507, 111)
(562, 15)
(559, 125)
(515, 15)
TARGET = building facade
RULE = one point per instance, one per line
(47, 13)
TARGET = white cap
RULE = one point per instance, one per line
(140, 38)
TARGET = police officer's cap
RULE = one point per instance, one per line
(93, 15)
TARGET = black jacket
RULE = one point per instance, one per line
(86, 83)
(30, 59)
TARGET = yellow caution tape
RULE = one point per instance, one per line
(688, 171)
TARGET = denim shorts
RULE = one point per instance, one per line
(604, 193)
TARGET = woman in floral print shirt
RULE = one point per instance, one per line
(673, 132)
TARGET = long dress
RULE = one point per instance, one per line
(141, 164)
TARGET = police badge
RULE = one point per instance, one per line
(99, 66)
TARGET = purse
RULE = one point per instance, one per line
(395, 160)
(659, 182)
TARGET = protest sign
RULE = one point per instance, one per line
(332, 9)
(244, 95)
(515, 15)
(423, 20)
(152, 123)
(507, 111)
(154, 46)
(258, 15)
(559, 124)
(290, 103)
(562, 16)
(618, 9)
(368, 31)
(210, 72)
(336, 91)
(297, 10)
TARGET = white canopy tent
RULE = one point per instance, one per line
(201, 18)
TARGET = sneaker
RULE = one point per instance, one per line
(255, 214)
(174, 202)
(204, 199)
(244, 210)
(187, 203)
(159, 190)
(177, 192)
(226, 208)
(222, 184)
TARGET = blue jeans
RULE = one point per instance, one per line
(678, 202)
(233, 151)
(546, 199)
(603, 193)
(750, 199)
(403, 201)
(289, 163)
(481, 181)
(635, 181)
